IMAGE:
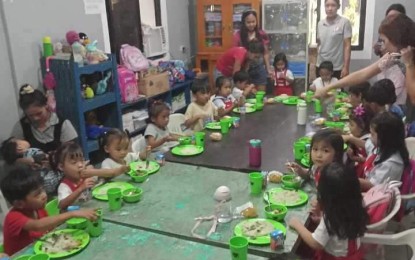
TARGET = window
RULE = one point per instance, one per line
(354, 10)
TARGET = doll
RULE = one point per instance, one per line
(94, 55)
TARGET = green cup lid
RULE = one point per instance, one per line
(255, 142)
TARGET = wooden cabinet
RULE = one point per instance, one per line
(217, 20)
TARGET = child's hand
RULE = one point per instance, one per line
(293, 167)
(122, 169)
(88, 183)
(294, 222)
(346, 138)
(89, 214)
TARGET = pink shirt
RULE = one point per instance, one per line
(228, 59)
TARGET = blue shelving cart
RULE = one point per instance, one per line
(72, 105)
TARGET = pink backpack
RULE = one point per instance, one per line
(408, 185)
(132, 58)
(379, 201)
(128, 84)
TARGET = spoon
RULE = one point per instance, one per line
(269, 200)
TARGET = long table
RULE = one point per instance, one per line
(178, 193)
(276, 126)
(121, 242)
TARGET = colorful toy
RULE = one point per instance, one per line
(103, 84)
(83, 39)
(88, 91)
(94, 55)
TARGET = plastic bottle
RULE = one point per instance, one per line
(47, 47)
(301, 113)
(255, 152)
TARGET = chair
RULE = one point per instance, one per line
(410, 145)
(4, 208)
(175, 124)
(406, 237)
(139, 144)
(52, 207)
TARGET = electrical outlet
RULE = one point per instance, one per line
(183, 48)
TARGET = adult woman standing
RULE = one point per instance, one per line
(250, 31)
(42, 128)
(334, 39)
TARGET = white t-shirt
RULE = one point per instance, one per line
(237, 93)
(332, 244)
(209, 110)
(220, 101)
(109, 163)
(64, 191)
(319, 83)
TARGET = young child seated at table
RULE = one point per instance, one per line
(326, 76)
(284, 78)
(357, 94)
(157, 135)
(242, 88)
(344, 216)
(78, 179)
(202, 109)
(13, 149)
(389, 157)
(381, 97)
(27, 220)
(223, 99)
(359, 122)
(116, 146)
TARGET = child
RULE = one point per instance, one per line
(357, 93)
(78, 179)
(13, 149)
(344, 217)
(27, 220)
(381, 97)
(326, 147)
(223, 99)
(116, 144)
(201, 109)
(359, 128)
(389, 157)
(283, 76)
(157, 135)
(242, 88)
(326, 76)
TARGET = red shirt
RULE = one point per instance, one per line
(229, 58)
(15, 238)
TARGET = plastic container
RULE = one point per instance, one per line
(301, 113)
(47, 47)
(255, 152)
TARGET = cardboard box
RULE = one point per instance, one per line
(154, 84)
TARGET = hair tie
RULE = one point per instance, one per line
(28, 89)
(359, 111)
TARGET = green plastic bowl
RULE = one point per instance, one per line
(331, 124)
(288, 181)
(259, 107)
(77, 223)
(140, 176)
(270, 214)
(184, 140)
(132, 195)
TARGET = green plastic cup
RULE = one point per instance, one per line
(260, 97)
(114, 198)
(224, 125)
(95, 227)
(39, 257)
(239, 248)
(309, 96)
(200, 139)
(23, 257)
(317, 106)
(255, 179)
(299, 150)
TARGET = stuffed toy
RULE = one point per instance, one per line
(94, 129)
(94, 55)
(83, 39)
(78, 50)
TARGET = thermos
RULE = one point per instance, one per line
(255, 153)
(301, 113)
(47, 47)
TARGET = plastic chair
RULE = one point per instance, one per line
(406, 237)
(4, 208)
(52, 207)
(139, 144)
(175, 124)
(410, 145)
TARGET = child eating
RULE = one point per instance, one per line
(223, 99)
(242, 88)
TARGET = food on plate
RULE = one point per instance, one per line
(285, 197)
(249, 213)
(257, 228)
(59, 243)
(249, 105)
(320, 121)
(133, 192)
(275, 176)
(270, 100)
(215, 136)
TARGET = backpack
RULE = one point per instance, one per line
(132, 58)
(128, 85)
(379, 201)
(408, 185)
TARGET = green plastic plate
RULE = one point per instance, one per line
(187, 150)
(281, 98)
(213, 126)
(251, 101)
(153, 167)
(302, 201)
(263, 240)
(77, 234)
(290, 101)
(100, 192)
(248, 110)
